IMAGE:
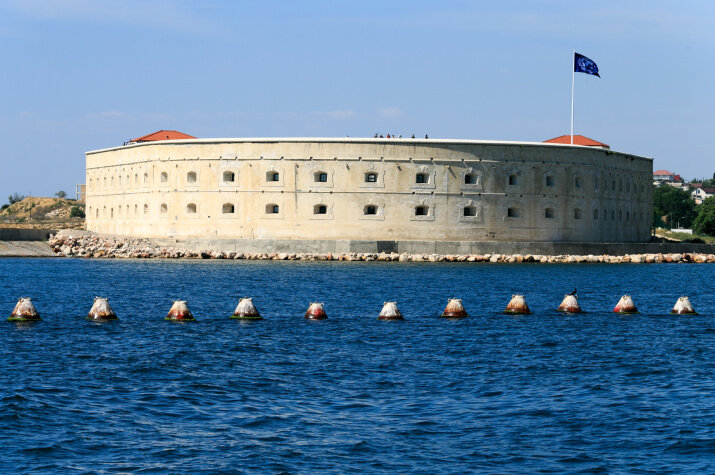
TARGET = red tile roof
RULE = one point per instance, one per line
(163, 135)
(577, 140)
(663, 172)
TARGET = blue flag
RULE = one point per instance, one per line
(581, 64)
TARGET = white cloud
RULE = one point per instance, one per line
(111, 114)
(340, 114)
(391, 112)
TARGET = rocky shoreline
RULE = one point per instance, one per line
(69, 243)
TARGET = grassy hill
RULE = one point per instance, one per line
(43, 213)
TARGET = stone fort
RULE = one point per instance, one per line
(343, 194)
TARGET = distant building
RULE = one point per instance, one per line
(664, 176)
(699, 194)
(578, 140)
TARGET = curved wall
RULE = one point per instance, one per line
(369, 189)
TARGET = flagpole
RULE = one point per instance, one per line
(573, 76)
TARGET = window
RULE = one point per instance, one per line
(96, 213)
(164, 208)
(628, 187)
(273, 176)
(421, 178)
(613, 185)
(146, 208)
(596, 183)
(470, 179)
(469, 211)
(146, 178)
(512, 212)
(513, 179)
(370, 177)
(628, 215)
(613, 215)
(321, 177)
(421, 210)
(119, 210)
(370, 210)
(272, 209)
(191, 177)
(578, 182)
(320, 209)
(136, 209)
(620, 215)
(136, 179)
(550, 180)
(595, 214)
(164, 177)
(228, 208)
(549, 213)
(577, 213)
(191, 208)
(229, 177)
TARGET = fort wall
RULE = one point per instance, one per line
(369, 189)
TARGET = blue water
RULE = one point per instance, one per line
(595, 392)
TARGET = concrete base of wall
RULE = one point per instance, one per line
(25, 249)
(17, 234)
(431, 247)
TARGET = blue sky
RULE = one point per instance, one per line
(80, 75)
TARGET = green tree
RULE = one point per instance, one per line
(15, 197)
(705, 221)
(61, 194)
(676, 204)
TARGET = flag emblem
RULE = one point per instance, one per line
(582, 64)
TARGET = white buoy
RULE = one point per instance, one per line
(570, 304)
(180, 312)
(454, 309)
(101, 310)
(683, 307)
(246, 310)
(625, 305)
(390, 312)
(24, 311)
(517, 306)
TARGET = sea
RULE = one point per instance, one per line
(595, 392)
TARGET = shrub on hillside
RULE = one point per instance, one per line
(76, 212)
